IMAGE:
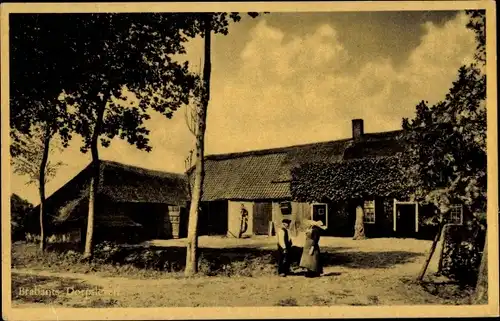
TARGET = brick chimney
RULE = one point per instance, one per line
(357, 129)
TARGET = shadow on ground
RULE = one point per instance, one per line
(234, 261)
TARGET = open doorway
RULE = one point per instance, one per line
(405, 219)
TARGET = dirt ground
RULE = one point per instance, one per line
(371, 272)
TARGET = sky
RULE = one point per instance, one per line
(292, 78)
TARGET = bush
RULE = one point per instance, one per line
(106, 252)
(247, 266)
(462, 253)
(113, 258)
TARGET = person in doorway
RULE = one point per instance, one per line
(311, 259)
(284, 247)
(244, 221)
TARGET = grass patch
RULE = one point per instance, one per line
(452, 292)
(287, 302)
(320, 301)
(373, 299)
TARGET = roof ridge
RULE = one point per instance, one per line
(285, 149)
(141, 169)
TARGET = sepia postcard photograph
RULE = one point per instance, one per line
(249, 160)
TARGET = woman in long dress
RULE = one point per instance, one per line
(311, 259)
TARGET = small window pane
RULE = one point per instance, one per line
(369, 207)
(456, 213)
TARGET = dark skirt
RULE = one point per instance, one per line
(311, 262)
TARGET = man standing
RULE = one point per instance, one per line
(284, 247)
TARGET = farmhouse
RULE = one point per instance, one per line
(137, 204)
(261, 182)
(133, 204)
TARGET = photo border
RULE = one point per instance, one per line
(53, 313)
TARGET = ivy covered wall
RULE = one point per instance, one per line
(348, 180)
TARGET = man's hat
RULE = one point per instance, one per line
(286, 220)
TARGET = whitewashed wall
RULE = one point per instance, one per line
(234, 218)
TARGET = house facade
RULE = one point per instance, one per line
(133, 204)
(260, 182)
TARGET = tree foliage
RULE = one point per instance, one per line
(477, 23)
(447, 144)
(128, 58)
(19, 209)
(27, 151)
(128, 70)
(39, 68)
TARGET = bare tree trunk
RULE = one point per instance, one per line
(192, 241)
(41, 180)
(421, 274)
(94, 179)
(481, 293)
(359, 225)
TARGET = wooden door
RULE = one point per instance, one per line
(216, 214)
(262, 215)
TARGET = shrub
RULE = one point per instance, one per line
(106, 252)
(462, 253)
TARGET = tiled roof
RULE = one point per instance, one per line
(245, 177)
(266, 174)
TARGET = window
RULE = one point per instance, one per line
(286, 208)
(369, 207)
(456, 214)
(319, 212)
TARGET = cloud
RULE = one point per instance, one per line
(296, 91)
(267, 55)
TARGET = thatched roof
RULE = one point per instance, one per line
(266, 174)
(118, 183)
(125, 183)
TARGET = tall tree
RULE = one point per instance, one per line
(199, 171)
(447, 147)
(207, 24)
(30, 157)
(125, 55)
(36, 112)
(477, 23)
